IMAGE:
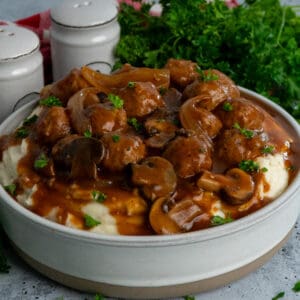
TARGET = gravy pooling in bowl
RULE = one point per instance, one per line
(146, 151)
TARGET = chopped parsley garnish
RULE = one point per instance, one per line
(249, 165)
(264, 169)
(30, 120)
(11, 188)
(136, 124)
(115, 100)
(87, 134)
(162, 91)
(41, 162)
(296, 287)
(189, 297)
(131, 84)
(267, 149)
(208, 75)
(98, 196)
(99, 297)
(246, 132)
(90, 221)
(218, 220)
(22, 132)
(51, 101)
(115, 138)
(278, 296)
(227, 106)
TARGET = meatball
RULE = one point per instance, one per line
(233, 146)
(189, 155)
(122, 149)
(242, 112)
(156, 177)
(212, 92)
(53, 124)
(182, 72)
(104, 117)
(140, 99)
(66, 87)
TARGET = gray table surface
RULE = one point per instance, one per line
(22, 282)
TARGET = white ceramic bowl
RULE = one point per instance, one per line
(153, 266)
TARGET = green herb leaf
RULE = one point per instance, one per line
(51, 101)
(30, 120)
(264, 169)
(208, 75)
(115, 100)
(90, 221)
(296, 287)
(131, 84)
(279, 295)
(87, 134)
(227, 106)
(249, 165)
(98, 196)
(99, 297)
(115, 138)
(22, 132)
(267, 149)
(11, 188)
(217, 220)
(136, 124)
(189, 297)
(247, 133)
(41, 162)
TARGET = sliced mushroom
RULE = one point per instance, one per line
(156, 177)
(237, 185)
(194, 117)
(76, 105)
(79, 154)
(160, 221)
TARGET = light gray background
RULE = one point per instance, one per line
(279, 274)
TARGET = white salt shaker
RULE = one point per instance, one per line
(83, 32)
(21, 65)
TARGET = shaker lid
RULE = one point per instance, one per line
(84, 13)
(16, 41)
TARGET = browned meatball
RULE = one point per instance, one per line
(233, 146)
(66, 87)
(53, 124)
(156, 177)
(122, 149)
(104, 117)
(194, 117)
(189, 155)
(140, 99)
(212, 92)
(240, 111)
(182, 72)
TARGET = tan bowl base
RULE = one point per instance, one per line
(150, 292)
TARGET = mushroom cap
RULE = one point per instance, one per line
(156, 177)
(79, 154)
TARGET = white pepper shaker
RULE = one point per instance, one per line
(83, 32)
(21, 65)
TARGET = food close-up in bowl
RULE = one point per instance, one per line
(161, 156)
(147, 151)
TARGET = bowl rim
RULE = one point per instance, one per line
(161, 240)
